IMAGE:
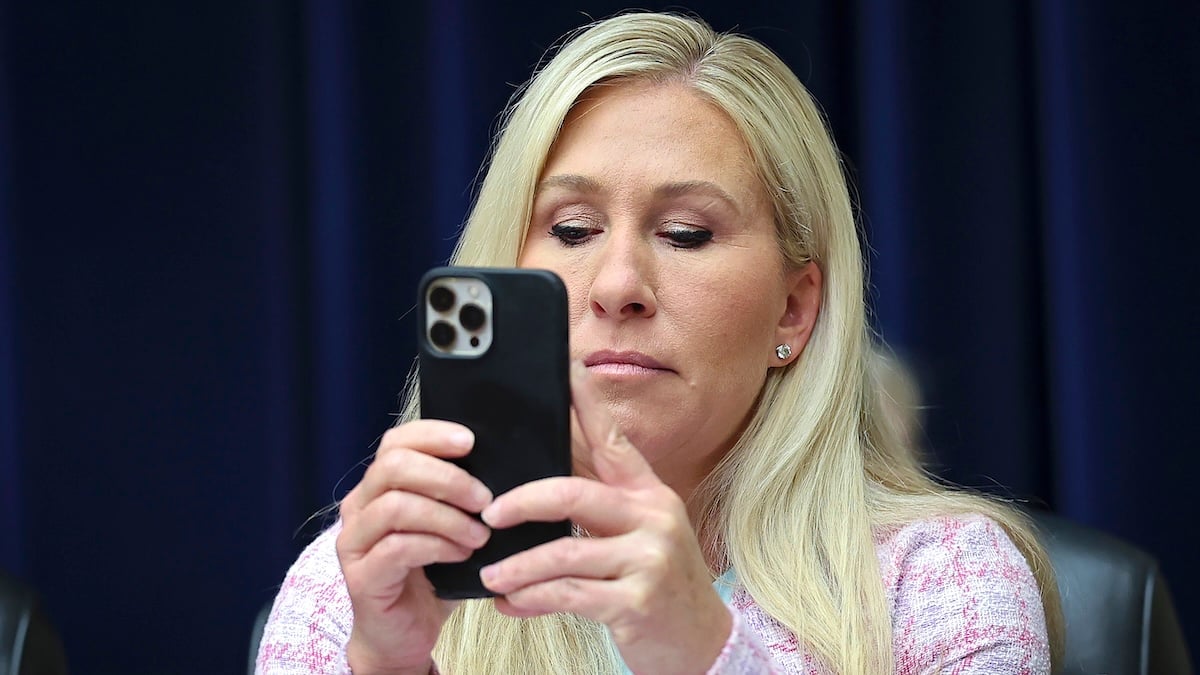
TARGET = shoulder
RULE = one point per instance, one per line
(968, 554)
(958, 588)
(947, 540)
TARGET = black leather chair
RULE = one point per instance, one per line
(1118, 611)
(256, 632)
(29, 644)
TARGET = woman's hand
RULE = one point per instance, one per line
(641, 572)
(410, 509)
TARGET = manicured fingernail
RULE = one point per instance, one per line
(479, 534)
(488, 574)
(462, 438)
(489, 514)
(481, 496)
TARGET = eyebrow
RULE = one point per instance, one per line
(570, 182)
(587, 185)
(698, 187)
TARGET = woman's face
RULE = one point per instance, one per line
(650, 210)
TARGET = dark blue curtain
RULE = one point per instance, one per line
(212, 219)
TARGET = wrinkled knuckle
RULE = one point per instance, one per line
(393, 505)
(568, 492)
(393, 462)
(414, 510)
(392, 439)
(656, 560)
(395, 547)
(640, 604)
(390, 546)
(659, 521)
(520, 599)
(456, 553)
(567, 554)
(446, 480)
(568, 592)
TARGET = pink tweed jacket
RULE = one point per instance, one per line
(962, 599)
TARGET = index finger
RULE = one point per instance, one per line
(412, 458)
(439, 438)
(613, 458)
(600, 509)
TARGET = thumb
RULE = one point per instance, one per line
(614, 459)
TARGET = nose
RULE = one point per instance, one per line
(623, 285)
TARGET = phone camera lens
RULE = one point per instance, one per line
(442, 335)
(441, 298)
(472, 317)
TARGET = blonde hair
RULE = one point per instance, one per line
(794, 504)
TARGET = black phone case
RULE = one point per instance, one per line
(515, 398)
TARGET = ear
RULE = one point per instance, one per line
(803, 303)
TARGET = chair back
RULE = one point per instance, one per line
(29, 643)
(256, 632)
(1116, 605)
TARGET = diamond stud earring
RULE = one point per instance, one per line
(783, 351)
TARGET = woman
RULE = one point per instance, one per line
(746, 507)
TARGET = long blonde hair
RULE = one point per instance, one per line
(794, 504)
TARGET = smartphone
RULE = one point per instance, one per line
(493, 356)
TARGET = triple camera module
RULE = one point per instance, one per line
(457, 312)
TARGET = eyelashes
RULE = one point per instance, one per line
(689, 237)
(572, 235)
(575, 233)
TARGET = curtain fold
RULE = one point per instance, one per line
(335, 213)
(11, 498)
(1064, 238)
(1120, 90)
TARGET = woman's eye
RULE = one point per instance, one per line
(571, 234)
(688, 238)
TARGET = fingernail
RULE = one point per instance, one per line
(462, 438)
(481, 496)
(488, 574)
(479, 534)
(489, 514)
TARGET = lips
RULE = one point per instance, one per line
(611, 359)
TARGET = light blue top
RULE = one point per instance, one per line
(723, 584)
